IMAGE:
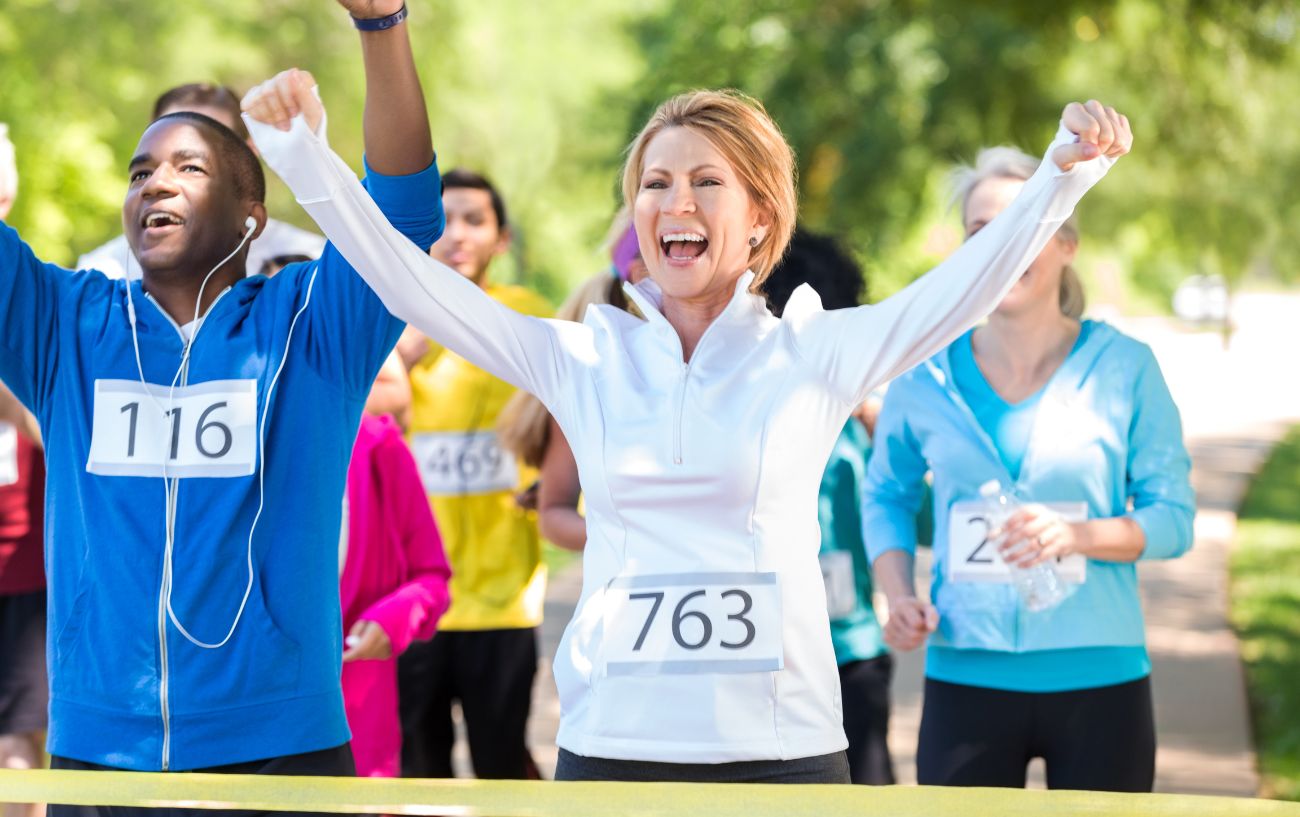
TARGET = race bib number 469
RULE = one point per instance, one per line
(454, 464)
(201, 430)
(973, 551)
(693, 623)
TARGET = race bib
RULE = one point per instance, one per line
(693, 623)
(8, 454)
(973, 556)
(201, 430)
(454, 464)
(837, 575)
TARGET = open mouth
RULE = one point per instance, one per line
(160, 220)
(683, 246)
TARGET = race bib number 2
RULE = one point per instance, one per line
(693, 623)
(973, 553)
(201, 430)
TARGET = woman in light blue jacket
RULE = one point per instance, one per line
(1075, 418)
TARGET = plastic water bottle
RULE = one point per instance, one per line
(1040, 586)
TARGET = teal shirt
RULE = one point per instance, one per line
(1010, 426)
(855, 632)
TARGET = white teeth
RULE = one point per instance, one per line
(683, 237)
(159, 219)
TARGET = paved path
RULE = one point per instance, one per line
(1234, 407)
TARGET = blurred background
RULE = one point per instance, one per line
(879, 98)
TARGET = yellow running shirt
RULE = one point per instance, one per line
(498, 580)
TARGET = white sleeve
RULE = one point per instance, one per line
(858, 349)
(432, 297)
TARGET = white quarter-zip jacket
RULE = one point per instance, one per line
(701, 635)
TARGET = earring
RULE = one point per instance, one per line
(753, 241)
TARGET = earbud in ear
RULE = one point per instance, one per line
(250, 223)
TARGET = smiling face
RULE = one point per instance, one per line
(473, 236)
(182, 210)
(1041, 283)
(694, 217)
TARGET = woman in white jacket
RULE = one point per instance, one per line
(700, 648)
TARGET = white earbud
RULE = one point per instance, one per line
(250, 223)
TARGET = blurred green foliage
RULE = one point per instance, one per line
(878, 97)
(1265, 569)
(513, 88)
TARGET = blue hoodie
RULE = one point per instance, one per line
(1106, 432)
(128, 689)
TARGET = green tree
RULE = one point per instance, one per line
(878, 97)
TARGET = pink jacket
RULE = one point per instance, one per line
(395, 575)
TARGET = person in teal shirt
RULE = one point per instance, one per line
(1074, 417)
(865, 665)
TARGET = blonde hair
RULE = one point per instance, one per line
(740, 129)
(1005, 162)
(524, 423)
(8, 165)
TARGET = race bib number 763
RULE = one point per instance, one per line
(201, 430)
(689, 623)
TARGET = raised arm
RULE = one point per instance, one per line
(30, 317)
(529, 353)
(857, 349)
(347, 330)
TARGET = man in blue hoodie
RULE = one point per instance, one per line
(199, 426)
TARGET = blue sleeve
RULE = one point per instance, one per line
(29, 314)
(895, 483)
(1159, 468)
(350, 329)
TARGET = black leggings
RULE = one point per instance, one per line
(832, 768)
(864, 688)
(1101, 739)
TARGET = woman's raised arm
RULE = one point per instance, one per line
(528, 352)
(857, 349)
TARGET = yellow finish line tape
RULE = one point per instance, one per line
(475, 798)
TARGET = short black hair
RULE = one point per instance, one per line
(469, 180)
(235, 154)
(202, 94)
(819, 261)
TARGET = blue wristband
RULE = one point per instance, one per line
(381, 23)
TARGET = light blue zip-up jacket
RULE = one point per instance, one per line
(1107, 432)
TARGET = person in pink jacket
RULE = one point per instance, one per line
(393, 587)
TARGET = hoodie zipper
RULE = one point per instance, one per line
(164, 588)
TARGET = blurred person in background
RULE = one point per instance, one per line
(277, 241)
(529, 431)
(485, 653)
(393, 586)
(1059, 409)
(24, 688)
(865, 665)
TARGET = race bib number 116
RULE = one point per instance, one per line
(201, 430)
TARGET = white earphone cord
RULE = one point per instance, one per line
(171, 485)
